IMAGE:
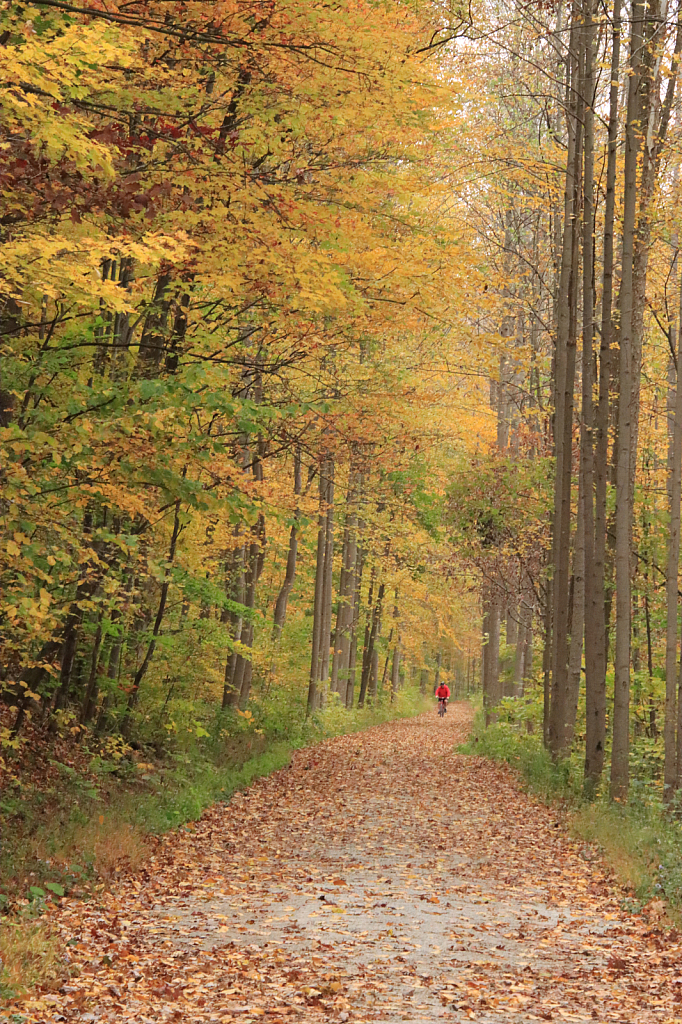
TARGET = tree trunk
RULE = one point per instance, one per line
(236, 587)
(654, 117)
(326, 639)
(352, 655)
(491, 655)
(595, 634)
(90, 698)
(395, 665)
(373, 676)
(565, 380)
(290, 572)
(621, 704)
(321, 620)
(369, 666)
(547, 663)
(577, 622)
(254, 557)
(344, 615)
(670, 771)
(521, 645)
(156, 629)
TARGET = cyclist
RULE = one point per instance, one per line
(443, 694)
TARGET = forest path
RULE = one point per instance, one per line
(382, 876)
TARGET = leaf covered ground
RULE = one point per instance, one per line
(381, 876)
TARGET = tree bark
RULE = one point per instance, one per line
(577, 622)
(280, 614)
(595, 635)
(620, 771)
(326, 639)
(236, 583)
(90, 698)
(395, 665)
(321, 614)
(565, 381)
(670, 770)
(344, 615)
(491, 654)
(352, 656)
(368, 682)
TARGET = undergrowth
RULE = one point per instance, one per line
(86, 824)
(641, 841)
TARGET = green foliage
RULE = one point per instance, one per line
(641, 841)
(504, 741)
(93, 823)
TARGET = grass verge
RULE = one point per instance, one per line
(641, 842)
(81, 829)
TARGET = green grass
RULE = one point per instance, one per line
(81, 833)
(87, 826)
(641, 842)
(30, 954)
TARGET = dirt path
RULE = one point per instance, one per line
(380, 877)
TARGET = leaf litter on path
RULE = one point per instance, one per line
(380, 877)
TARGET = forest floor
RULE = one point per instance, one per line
(381, 876)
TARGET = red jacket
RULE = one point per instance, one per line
(443, 691)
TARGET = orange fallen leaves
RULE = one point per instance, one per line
(390, 879)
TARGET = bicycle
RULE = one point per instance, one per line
(442, 706)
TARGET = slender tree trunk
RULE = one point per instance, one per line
(595, 635)
(290, 572)
(620, 771)
(565, 381)
(326, 639)
(244, 668)
(374, 675)
(592, 596)
(528, 654)
(321, 609)
(319, 594)
(156, 629)
(352, 654)
(670, 770)
(236, 585)
(254, 558)
(90, 698)
(395, 665)
(387, 659)
(654, 118)
(521, 644)
(344, 615)
(547, 662)
(577, 622)
(369, 666)
(491, 654)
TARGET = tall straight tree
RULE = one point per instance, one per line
(620, 771)
(670, 768)
(564, 391)
(595, 635)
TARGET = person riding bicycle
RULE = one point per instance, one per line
(443, 694)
